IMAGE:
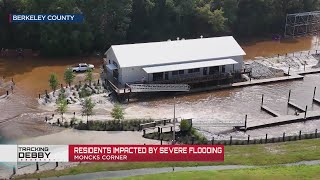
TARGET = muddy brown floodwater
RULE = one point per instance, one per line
(20, 116)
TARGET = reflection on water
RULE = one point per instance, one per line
(23, 118)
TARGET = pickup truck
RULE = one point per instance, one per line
(82, 67)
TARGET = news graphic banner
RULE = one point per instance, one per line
(110, 153)
(71, 18)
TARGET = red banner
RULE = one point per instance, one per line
(144, 153)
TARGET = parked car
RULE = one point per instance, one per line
(82, 67)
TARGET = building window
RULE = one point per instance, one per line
(223, 69)
(181, 71)
(196, 70)
(174, 73)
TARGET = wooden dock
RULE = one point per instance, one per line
(315, 100)
(282, 120)
(270, 111)
(296, 106)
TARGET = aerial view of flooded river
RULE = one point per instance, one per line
(21, 118)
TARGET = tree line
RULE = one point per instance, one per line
(110, 22)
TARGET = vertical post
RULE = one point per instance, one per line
(245, 122)
(174, 121)
(98, 81)
(262, 99)
(57, 164)
(300, 135)
(230, 140)
(128, 97)
(14, 170)
(37, 166)
(289, 71)
(46, 118)
(314, 92)
(266, 138)
(144, 132)
(161, 141)
(7, 93)
(305, 113)
(248, 139)
(212, 141)
(316, 133)
(284, 137)
(289, 95)
(192, 140)
(304, 67)
(39, 96)
(158, 129)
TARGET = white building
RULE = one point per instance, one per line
(173, 60)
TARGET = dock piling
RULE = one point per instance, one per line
(289, 95)
(245, 122)
(266, 141)
(305, 112)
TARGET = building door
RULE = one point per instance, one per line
(223, 69)
(166, 75)
(214, 70)
(157, 76)
(205, 71)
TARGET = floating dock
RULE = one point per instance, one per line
(282, 120)
(270, 111)
(296, 106)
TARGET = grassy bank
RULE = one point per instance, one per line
(262, 154)
(270, 173)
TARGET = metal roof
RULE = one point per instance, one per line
(178, 51)
(175, 67)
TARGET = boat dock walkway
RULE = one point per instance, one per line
(282, 120)
(270, 111)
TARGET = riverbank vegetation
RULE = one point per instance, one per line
(262, 154)
(269, 173)
(115, 22)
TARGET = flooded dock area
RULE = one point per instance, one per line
(21, 116)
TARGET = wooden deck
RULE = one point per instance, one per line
(296, 106)
(270, 111)
(282, 120)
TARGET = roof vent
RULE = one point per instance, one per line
(178, 38)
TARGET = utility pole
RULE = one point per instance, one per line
(174, 121)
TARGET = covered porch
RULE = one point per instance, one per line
(189, 73)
